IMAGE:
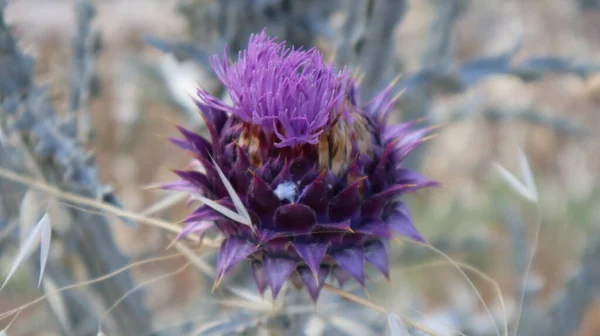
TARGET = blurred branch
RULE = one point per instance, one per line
(412, 253)
(230, 23)
(367, 40)
(531, 115)
(439, 51)
(48, 146)
(566, 313)
(472, 72)
(85, 45)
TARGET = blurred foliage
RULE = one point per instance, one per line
(462, 65)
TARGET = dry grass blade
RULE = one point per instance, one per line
(248, 295)
(525, 188)
(222, 210)
(56, 303)
(28, 246)
(4, 331)
(477, 272)
(526, 173)
(350, 327)
(45, 237)
(514, 182)
(164, 204)
(195, 259)
(9, 175)
(143, 284)
(464, 275)
(201, 329)
(536, 239)
(86, 283)
(239, 206)
(379, 308)
(395, 326)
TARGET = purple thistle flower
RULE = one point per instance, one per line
(319, 175)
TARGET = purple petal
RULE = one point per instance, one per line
(280, 246)
(376, 253)
(233, 251)
(283, 176)
(325, 235)
(379, 104)
(260, 277)
(345, 204)
(180, 185)
(310, 281)
(198, 179)
(239, 173)
(409, 142)
(401, 222)
(286, 92)
(278, 271)
(352, 260)
(198, 143)
(213, 117)
(411, 177)
(373, 207)
(312, 254)
(267, 235)
(294, 217)
(391, 193)
(376, 227)
(393, 132)
(261, 198)
(338, 226)
(341, 275)
(195, 227)
(183, 144)
(316, 194)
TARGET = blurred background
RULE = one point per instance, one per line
(111, 79)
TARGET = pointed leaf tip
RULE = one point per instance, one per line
(352, 260)
(46, 234)
(28, 246)
(529, 192)
(314, 284)
(233, 251)
(401, 222)
(278, 271)
(241, 216)
(312, 254)
(527, 175)
(260, 278)
(239, 205)
(376, 254)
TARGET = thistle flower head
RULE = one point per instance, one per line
(285, 91)
(317, 173)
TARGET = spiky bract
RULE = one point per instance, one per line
(318, 172)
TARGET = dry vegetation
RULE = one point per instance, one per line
(132, 119)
